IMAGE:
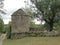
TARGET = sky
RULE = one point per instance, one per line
(11, 6)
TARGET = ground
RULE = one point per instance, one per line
(33, 41)
(2, 37)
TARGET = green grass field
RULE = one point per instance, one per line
(33, 41)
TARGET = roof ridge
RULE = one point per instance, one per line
(19, 12)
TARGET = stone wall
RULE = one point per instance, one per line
(20, 22)
(34, 34)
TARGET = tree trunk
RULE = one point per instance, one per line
(51, 25)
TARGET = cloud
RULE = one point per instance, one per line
(12, 4)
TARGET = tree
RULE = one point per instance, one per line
(1, 7)
(1, 25)
(49, 10)
(2, 11)
(9, 30)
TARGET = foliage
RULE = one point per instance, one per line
(57, 26)
(1, 0)
(6, 27)
(49, 10)
(33, 25)
(2, 11)
(1, 25)
(9, 30)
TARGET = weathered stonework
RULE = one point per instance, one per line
(20, 22)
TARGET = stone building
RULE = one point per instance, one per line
(20, 22)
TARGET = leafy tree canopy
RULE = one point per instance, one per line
(49, 10)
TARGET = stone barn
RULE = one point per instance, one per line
(20, 22)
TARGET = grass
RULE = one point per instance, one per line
(33, 41)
